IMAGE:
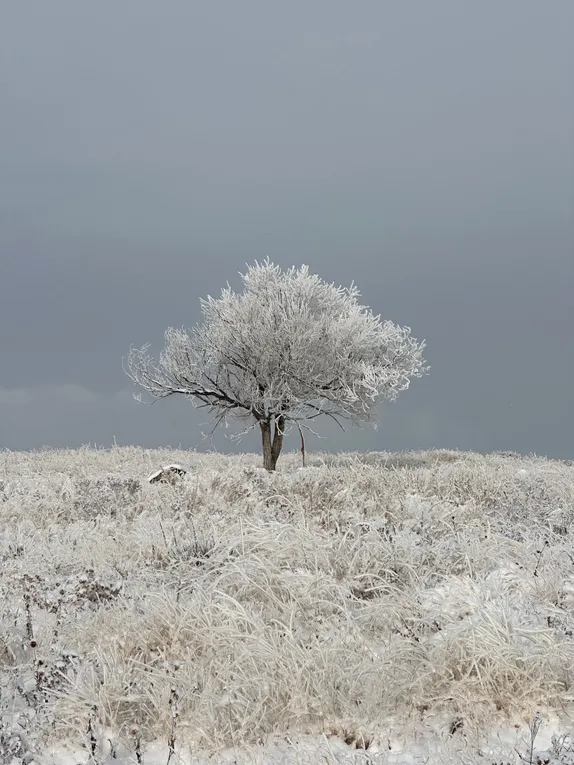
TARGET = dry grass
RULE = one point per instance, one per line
(239, 604)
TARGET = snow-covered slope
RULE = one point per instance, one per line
(367, 608)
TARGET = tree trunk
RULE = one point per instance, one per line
(265, 426)
(272, 448)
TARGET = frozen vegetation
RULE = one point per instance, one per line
(375, 608)
(287, 350)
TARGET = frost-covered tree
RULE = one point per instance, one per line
(286, 350)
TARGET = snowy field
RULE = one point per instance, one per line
(376, 608)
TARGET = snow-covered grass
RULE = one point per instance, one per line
(367, 608)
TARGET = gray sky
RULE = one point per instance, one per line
(424, 150)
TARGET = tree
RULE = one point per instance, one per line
(288, 349)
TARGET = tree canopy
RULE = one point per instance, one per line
(287, 349)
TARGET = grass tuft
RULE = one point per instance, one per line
(238, 604)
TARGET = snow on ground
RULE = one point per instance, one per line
(375, 608)
(431, 743)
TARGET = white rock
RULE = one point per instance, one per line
(167, 474)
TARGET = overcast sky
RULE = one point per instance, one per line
(425, 150)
